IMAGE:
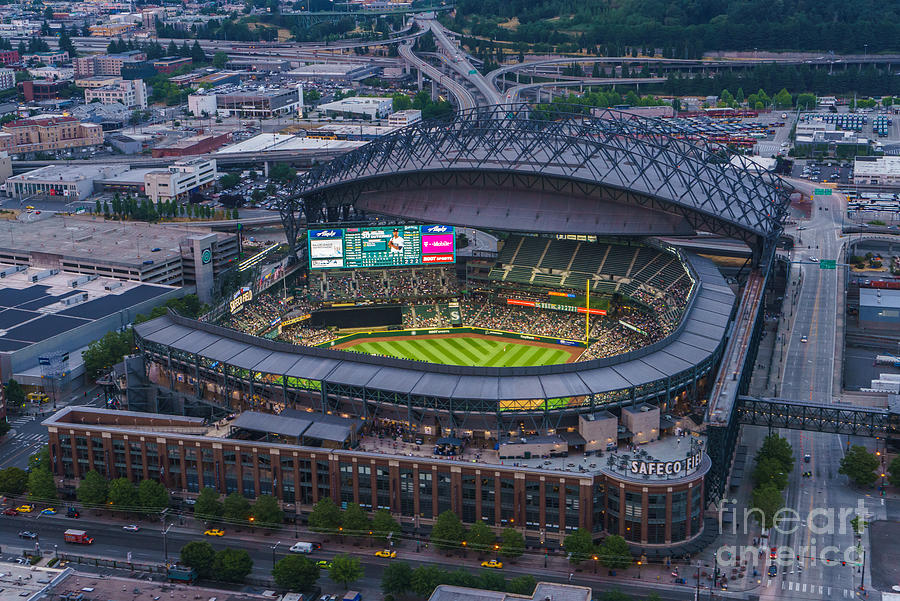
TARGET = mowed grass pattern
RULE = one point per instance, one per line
(465, 351)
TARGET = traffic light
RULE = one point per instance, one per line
(843, 563)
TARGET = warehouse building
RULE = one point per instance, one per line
(342, 72)
(359, 107)
(67, 181)
(199, 144)
(879, 309)
(877, 171)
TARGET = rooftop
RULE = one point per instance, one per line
(112, 587)
(23, 583)
(34, 311)
(875, 297)
(128, 243)
(543, 591)
(886, 165)
(189, 141)
(69, 173)
(355, 101)
(273, 142)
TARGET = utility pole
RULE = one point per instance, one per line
(166, 543)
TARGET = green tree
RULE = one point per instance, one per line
(782, 99)
(480, 537)
(122, 494)
(355, 522)
(579, 545)
(523, 585)
(13, 481)
(491, 580)
(15, 394)
(232, 565)
(614, 553)
(766, 500)
(396, 579)
(384, 524)
(93, 490)
(197, 54)
(282, 173)
(236, 508)
(806, 101)
(296, 573)
(345, 569)
(220, 59)
(425, 579)
(229, 180)
(102, 354)
(5, 427)
(152, 496)
(401, 102)
(40, 460)
(199, 555)
(267, 512)
(894, 469)
(770, 470)
(859, 465)
(512, 543)
(448, 531)
(777, 448)
(325, 516)
(41, 485)
(208, 506)
(235, 214)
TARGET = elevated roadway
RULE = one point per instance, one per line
(459, 62)
(464, 98)
(515, 94)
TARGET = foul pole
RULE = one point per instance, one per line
(587, 313)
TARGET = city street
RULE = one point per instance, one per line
(149, 546)
(809, 375)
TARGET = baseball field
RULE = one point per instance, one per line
(466, 349)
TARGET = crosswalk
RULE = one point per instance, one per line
(21, 421)
(33, 437)
(818, 590)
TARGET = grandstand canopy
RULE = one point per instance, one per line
(500, 167)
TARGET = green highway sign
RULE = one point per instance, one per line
(822, 191)
(827, 264)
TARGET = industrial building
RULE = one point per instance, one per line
(879, 309)
(259, 103)
(877, 171)
(131, 93)
(199, 144)
(359, 107)
(156, 254)
(274, 142)
(180, 179)
(48, 134)
(175, 182)
(344, 72)
(50, 315)
(404, 118)
(72, 182)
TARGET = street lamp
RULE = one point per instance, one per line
(166, 542)
(275, 546)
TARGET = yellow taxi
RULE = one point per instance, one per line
(38, 397)
(324, 564)
(214, 532)
(492, 563)
(386, 553)
(25, 508)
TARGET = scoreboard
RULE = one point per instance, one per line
(391, 246)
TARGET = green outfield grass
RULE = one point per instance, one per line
(465, 351)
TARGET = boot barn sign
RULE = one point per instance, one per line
(676, 468)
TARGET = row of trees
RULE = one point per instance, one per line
(237, 509)
(37, 480)
(422, 101)
(399, 579)
(226, 565)
(145, 210)
(149, 496)
(773, 464)
(327, 518)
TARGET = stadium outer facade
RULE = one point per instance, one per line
(674, 187)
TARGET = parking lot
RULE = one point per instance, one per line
(837, 172)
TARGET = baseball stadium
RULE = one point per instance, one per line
(587, 331)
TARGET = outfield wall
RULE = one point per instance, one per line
(460, 330)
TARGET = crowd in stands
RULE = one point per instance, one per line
(405, 283)
(255, 317)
